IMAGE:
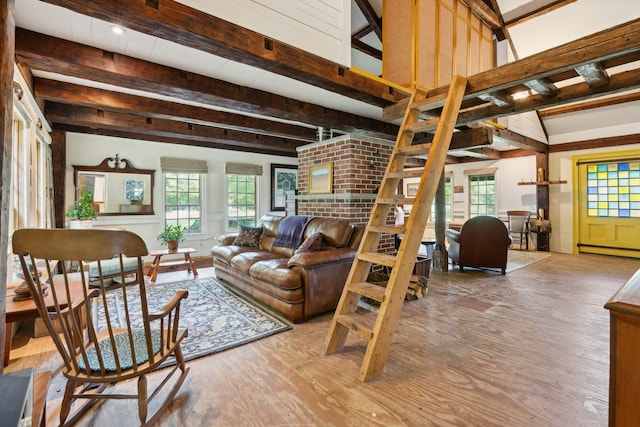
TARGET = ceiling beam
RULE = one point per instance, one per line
(612, 141)
(538, 12)
(46, 53)
(190, 27)
(366, 49)
(68, 93)
(587, 105)
(485, 13)
(375, 23)
(619, 82)
(129, 134)
(593, 73)
(122, 122)
(517, 140)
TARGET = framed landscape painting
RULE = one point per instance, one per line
(283, 179)
(321, 178)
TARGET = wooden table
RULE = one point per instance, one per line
(26, 310)
(157, 264)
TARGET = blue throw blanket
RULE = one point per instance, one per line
(291, 231)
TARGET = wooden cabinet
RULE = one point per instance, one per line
(624, 380)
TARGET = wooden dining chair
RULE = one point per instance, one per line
(97, 351)
(519, 225)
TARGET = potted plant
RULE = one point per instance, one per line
(82, 212)
(171, 236)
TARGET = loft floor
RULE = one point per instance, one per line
(529, 348)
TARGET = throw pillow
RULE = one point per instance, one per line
(311, 244)
(248, 236)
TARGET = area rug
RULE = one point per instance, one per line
(518, 259)
(216, 317)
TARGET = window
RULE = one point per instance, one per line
(183, 200)
(241, 200)
(613, 190)
(482, 195)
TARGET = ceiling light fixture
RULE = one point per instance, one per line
(117, 30)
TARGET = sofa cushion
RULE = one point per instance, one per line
(226, 253)
(275, 271)
(245, 260)
(248, 236)
(335, 232)
(311, 244)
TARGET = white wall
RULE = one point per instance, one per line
(90, 150)
(320, 27)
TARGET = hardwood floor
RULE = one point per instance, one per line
(530, 348)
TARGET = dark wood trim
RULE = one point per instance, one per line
(366, 49)
(538, 12)
(59, 166)
(375, 23)
(7, 31)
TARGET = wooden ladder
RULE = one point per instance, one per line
(378, 329)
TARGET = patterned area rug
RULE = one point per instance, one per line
(518, 259)
(217, 318)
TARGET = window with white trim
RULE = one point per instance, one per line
(242, 194)
(184, 193)
(482, 195)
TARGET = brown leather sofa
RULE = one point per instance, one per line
(483, 241)
(297, 285)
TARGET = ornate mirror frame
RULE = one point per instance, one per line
(133, 193)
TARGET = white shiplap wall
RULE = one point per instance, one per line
(322, 27)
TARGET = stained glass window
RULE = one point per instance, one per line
(613, 190)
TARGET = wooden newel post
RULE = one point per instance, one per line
(440, 260)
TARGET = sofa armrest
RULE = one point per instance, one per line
(227, 239)
(319, 258)
(453, 235)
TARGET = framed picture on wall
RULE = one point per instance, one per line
(410, 190)
(134, 190)
(283, 178)
(321, 178)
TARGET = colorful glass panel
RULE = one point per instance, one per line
(613, 190)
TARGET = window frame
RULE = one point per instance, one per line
(471, 176)
(228, 217)
(202, 205)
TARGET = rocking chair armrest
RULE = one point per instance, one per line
(170, 306)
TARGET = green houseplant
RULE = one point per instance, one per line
(82, 210)
(171, 236)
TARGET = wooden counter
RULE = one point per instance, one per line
(624, 377)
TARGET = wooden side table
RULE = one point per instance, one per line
(25, 310)
(157, 264)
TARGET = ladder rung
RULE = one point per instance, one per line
(391, 229)
(368, 290)
(414, 150)
(413, 173)
(423, 126)
(378, 259)
(357, 323)
(395, 200)
(430, 103)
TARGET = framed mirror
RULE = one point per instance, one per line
(117, 186)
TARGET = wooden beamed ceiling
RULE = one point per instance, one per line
(236, 117)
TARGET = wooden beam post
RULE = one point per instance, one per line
(542, 198)
(7, 31)
(59, 159)
(440, 260)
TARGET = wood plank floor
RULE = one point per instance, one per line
(530, 348)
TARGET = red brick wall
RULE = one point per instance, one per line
(358, 167)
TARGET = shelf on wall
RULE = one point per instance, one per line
(542, 182)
